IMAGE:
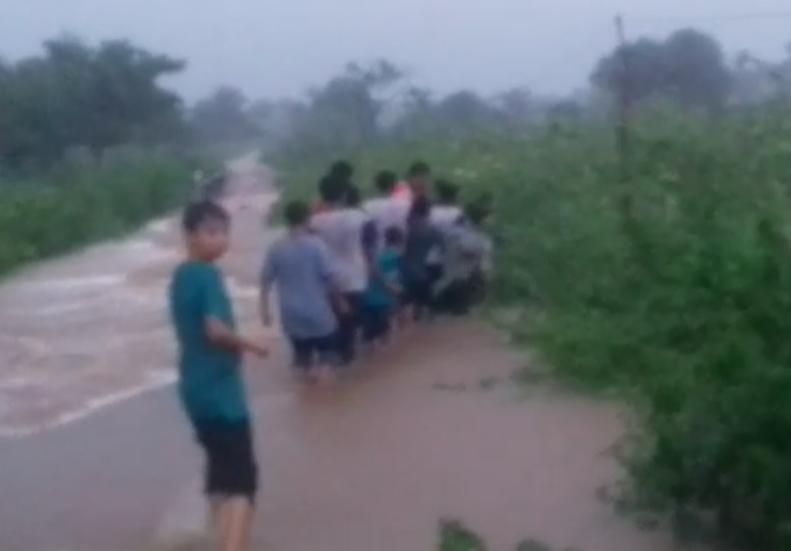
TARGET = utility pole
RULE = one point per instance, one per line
(624, 101)
(623, 137)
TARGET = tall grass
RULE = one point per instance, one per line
(80, 202)
(674, 288)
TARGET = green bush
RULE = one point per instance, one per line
(673, 287)
(75, 204)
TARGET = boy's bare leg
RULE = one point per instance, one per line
(216, 520)
(237, 514)
(325, 373)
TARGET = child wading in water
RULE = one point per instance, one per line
(468, 263)
(422, 240)
(300, 266)
(210, 379)
(384, 290)
(343, 228)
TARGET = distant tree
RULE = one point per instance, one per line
(565, 111)
(517, 107)
(415, 114)
(223, 117)
(689, 67)
(127, 100)
(379, 74)
(754, 80)
(454, 115)
(697, 74)
(345, 112)
(464, 111)
(79, 96)
(283, 126)
(647, 73)
(259, 113)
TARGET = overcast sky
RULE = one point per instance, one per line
(274, 48)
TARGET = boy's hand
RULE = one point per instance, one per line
(343, 306)
(258, 350)
(266, 318)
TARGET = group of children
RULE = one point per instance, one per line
(345, 269)
(348, 268)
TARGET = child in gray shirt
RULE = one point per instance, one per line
(300, 266)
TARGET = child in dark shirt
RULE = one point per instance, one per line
(422, 239)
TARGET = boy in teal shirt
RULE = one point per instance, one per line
(210, 381)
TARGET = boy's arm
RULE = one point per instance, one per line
(328, 274)
(264, 306)
(267, 280)
(217, 331)
(220, 334)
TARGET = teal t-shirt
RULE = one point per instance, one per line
(389, 265)
(210, 381)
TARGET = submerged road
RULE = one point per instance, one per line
(96, 455)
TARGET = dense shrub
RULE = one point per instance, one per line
(76, 203)
(674, 287)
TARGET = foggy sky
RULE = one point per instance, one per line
(274, 48)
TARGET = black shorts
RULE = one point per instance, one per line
(418, 292)
(434, 272)
(376, 322)
(318, 349)
(231, 469)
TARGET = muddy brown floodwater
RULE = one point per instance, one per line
(429, 428)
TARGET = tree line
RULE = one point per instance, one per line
(78, 96)
(688, 70)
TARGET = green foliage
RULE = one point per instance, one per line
(77, 96)
(689, 67)
(674, 288)
(366, 105)
(454, 536)
(343, 113)
(532, 545)
(76, 204)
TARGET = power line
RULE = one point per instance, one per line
(583, 42)
(734, 18)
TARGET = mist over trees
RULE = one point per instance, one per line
(756, 80)
(366, 103)
(688, 68)
(224, 116)
(78, 96)
(362, 104)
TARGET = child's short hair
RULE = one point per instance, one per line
(421, 208)
(296, 213)
(197, 214)
(332, 189)
(341, 170)
(476, 212)
(447, 192)
(394, 236)
(386, 181)
(419, 169)
(353, 198)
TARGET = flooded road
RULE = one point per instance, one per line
(431, 428)
(82, 332)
